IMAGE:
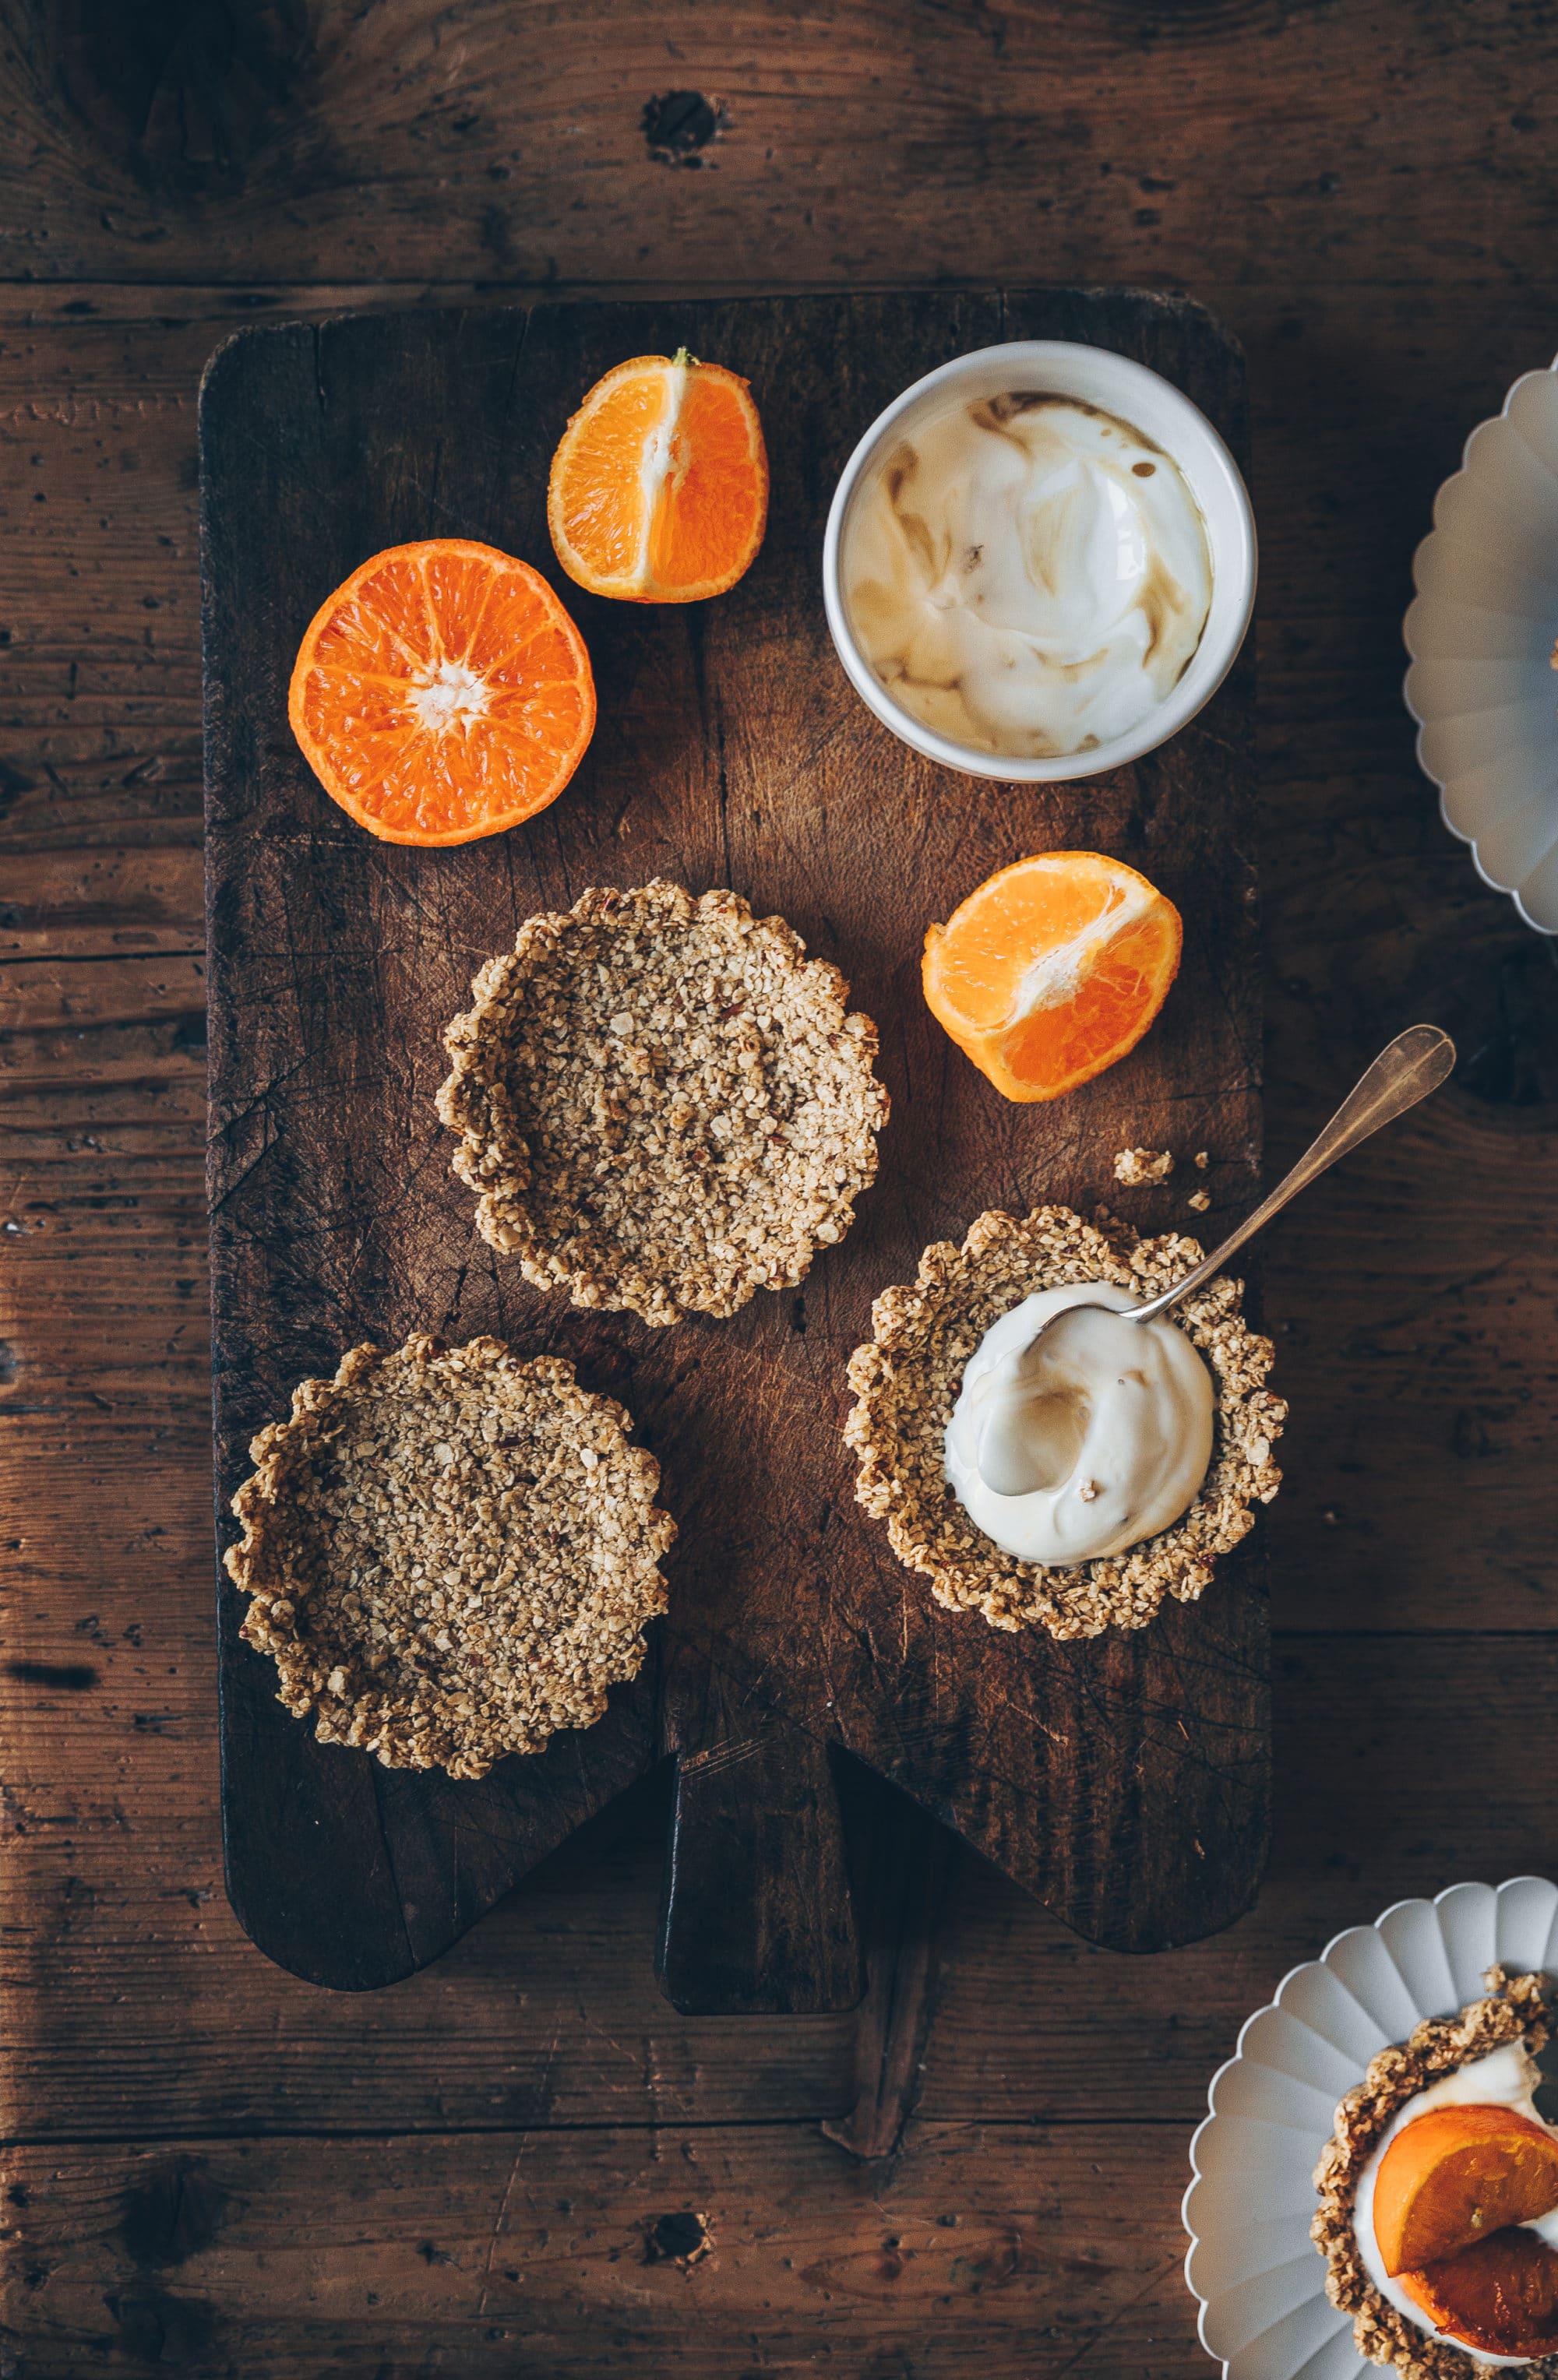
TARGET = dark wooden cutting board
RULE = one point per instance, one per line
(1124, 1781)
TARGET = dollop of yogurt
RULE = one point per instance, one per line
(1505, 2078)
(1090, 1442)
(1027, 575)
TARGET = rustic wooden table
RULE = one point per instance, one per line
(214, 2168)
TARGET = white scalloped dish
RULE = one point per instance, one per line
(1258, 2276)
(1481, 634)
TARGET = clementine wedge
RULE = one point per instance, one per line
(1499, 2298)
(443, 693)
(1053, 969)
(1456, 2175)
(659, 488)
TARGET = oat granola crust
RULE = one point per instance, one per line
(1134, 1166)
(662, 1103)
(450, 1553)
(906, 1382)
(1515, 2010)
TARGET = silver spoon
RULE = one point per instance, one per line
(1415, 1062)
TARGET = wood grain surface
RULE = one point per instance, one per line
(1367, 197)
(1124, 1781)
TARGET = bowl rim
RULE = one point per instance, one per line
(1512, 891)
(1201, 678)
(1303, 1966)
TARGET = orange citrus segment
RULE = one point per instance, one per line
(1053, 969)
(443, 693)
(1499, 2298)
(659, 488)
(1456, 2175)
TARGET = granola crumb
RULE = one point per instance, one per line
(1515, 2010)
(1201, 1200)
(906, 1382)
(1088, 1491)
(1202, 1159)
(449, 1553)
(662, 1104)
(1134, 1166)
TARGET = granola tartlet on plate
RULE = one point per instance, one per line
(1515, 2010)
(449, 1553)
(1253, 2264)
(662, 1104)
(906, 1382)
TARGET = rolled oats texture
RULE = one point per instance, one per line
(663, 1105)
(449, 1553)
(906, 1381)
(1134, 1166)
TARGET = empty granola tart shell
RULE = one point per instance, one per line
(906, 1381)
(662, 1104)
(449, 1553)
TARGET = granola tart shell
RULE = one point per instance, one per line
(449, 1553)
(906, 1381)
(1516, 2008)
(662, 1104)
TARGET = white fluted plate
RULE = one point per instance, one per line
(1481, 634)
(1258, 2276)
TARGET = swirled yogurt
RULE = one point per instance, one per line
(1027, 575)
(1087, 1442)
(1505, 2078)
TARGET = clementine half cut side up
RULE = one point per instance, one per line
(443, 693)
(1053, 969)
(658, 487)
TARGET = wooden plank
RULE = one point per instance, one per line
(1021, 2249)
(1099, 1766)
(102, 903)
(1126, 146)
(135, 2007)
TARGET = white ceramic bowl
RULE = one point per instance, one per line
(1258, 2276)
(1065, 368)
(1481, 636)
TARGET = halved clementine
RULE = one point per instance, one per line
(1457, 2175)
(1499, 2298)
(443, 693)
(1053, 969)
(659, 488)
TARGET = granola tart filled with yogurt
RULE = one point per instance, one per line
(450, 1553)
(909, 1385)
(1441, 2149)
(662, 1104)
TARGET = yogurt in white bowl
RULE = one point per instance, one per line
(1040, 562)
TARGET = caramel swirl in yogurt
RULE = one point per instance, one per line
(1027, 575)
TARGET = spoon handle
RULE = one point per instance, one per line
(1415, 1062)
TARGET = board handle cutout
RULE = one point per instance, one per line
(757, 1917)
